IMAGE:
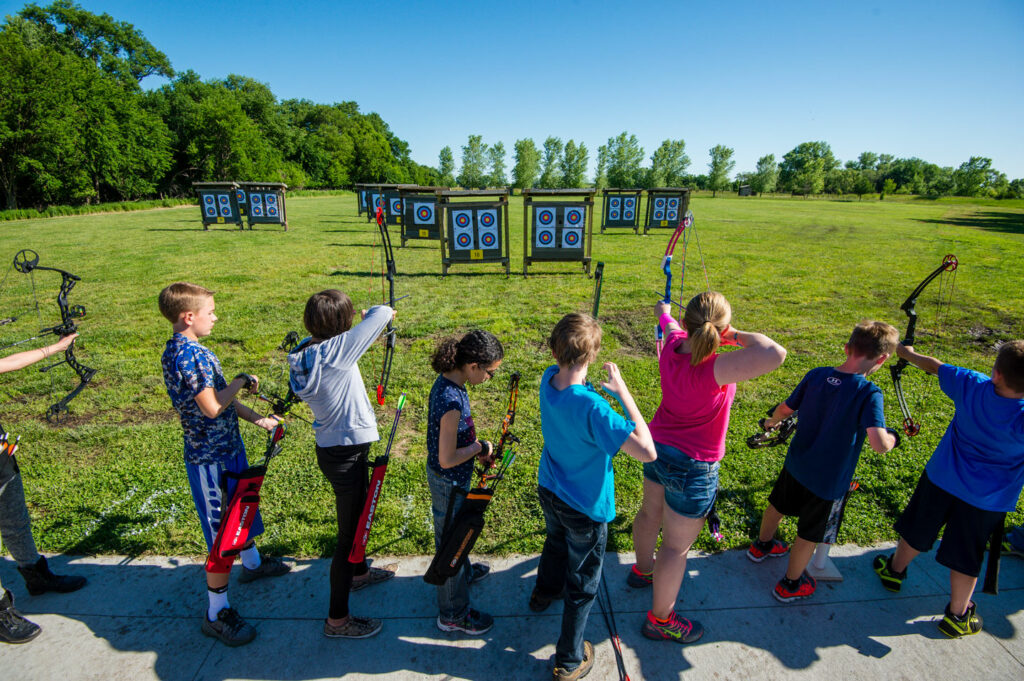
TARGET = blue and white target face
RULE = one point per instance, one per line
(225, 205)
(395, 207)
(271, 199)
(572, 238)
(673, 203)
(257, 199)
(660, 203)
(614, 202)
(573, 217)
(423, 213)
(613, 213)
(256, 210)
(545, 217)
(487, 227)
(209, 206)
(240, 195)
(627, 214)
(658, 214)
(462, 229)
(362, 198)
(629, 203)
(545, 237)
(378, 201)
(271, 209)
(671, 214)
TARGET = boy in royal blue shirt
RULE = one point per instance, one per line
(575, 481)
(972, 480)
(838, 407)
(209, 413)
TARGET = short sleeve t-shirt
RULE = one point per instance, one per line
(581, 435)
(189, 368)
(693, 415)
(836, 409)
(980, 458)
(446, 396)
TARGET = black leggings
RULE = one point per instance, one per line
(346, 468)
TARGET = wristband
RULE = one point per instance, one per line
(248, 380)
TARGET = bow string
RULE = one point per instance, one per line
(685, 228)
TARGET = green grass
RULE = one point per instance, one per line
(802, 271)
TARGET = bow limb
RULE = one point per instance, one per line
(507, 438)
(389, 333)
(666, 268)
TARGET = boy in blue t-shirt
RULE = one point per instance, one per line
(575, 481)
(209, 413)
(972, 480)
(838, 408)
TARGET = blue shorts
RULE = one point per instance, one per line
(690, 485)
(205, 482)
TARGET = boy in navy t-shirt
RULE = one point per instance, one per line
(972, 480)
(575, 481)
(838, 408)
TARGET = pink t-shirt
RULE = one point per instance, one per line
(693, 415)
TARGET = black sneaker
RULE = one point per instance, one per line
(229, 628)
(891, 580)
(473, 623)
(270, 566)
(14, 628)
(964, 625)
(479, 572)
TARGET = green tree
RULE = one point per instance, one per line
(474, 163)
(446, 166)
(974, 176)
(551, 164)
(864, 183)
(803, 169)
(668, 164)
(527, 167)
(888, 187)
(601, 174)
(496, 156)
(574, 164)
(766, 176)
(719, 168)
(624, 157)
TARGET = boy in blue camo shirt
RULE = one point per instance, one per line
(209, 413)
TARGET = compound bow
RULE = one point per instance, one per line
(26, 261)
(949, 264)
(282, 406)
(388, 273)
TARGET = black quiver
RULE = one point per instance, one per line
(459, 535)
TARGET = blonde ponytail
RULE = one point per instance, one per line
(707, 316)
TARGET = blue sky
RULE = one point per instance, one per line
(938, 80)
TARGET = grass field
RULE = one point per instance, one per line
(803, 272)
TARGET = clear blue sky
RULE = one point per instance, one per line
(938, 80)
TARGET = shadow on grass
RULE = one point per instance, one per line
(991, 221)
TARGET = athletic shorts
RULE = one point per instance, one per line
(818, 520)
(205, 482)
(968, 527)
(690, 485)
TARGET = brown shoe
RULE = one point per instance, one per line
(356, 627)
(375, 576)
(562, 674)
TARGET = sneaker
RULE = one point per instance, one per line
(14, 628)
(563, 674)
(376, 575)
(539, 602)
(760, 550)
(230, 628)
(891, 579)
(270, 566)
(964, 625)
(356, 627)
(678, 629)
(805, 587)
(480, 572)
(473, 623)
(1013, 545)
(639, 580)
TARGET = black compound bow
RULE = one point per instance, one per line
(282, 405)
(949, 264)
(26, 261)
(388, 272)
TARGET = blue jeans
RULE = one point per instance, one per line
(453, 595)
(572, 559)
(690, 485)
(15, 526)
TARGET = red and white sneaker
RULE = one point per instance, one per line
(805, 587)
(760, 550)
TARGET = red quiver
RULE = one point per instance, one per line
(236, 519)
(358, 552)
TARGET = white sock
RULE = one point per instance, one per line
(251, 557)
(218, 601)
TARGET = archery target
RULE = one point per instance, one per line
(572, 238)
(225, 205)
(396, 207)
(545, 217)
(545, 237)
(659, 202)
(613, 213)
(362, 198)
(629, 203)
(487, 227)
(209, 206)
(673, 203)
(614, 202)
(377, 200)
(271, 210)
(240, 195)
(271, 199)
(671, 214)
(462, 228)
(658, 214)
(573, 218)
(423, 213)
(627, 214)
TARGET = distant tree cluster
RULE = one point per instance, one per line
(76, 126)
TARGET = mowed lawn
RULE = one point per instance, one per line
(802, 271)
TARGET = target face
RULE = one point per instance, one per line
(545, 238)
(240, 195)
(257, 210)
(659, 214)
(462, 224)
(423, 213)
(225, 205)
(271, 211)
(462, 219)
(362, 198)
(614, 202)
(627, 214)
(209, 206)
(486, 218)
(671, 214)
(613, 213)
(488, 240)
(257, 199)
(572, 238)
(545, 217)
(396, 206)
(378, 201)
(487, 227)
(659, 202)
(573, 217)
(271, 199)
(629, 203)
(673, 203)
(464, 240)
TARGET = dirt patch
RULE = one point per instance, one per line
(987, 339)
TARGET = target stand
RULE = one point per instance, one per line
(556, 230)
(621, 209)
(421, 216)
(263, 203)
(665, 207)
(382, 195)
(361, 202)
(475, 227)
(218, 203)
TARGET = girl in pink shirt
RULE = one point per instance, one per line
(697, 389)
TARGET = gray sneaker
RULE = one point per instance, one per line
(356, 627)
(230, 628)
(270, 566)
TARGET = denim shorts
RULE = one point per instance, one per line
(690, 485)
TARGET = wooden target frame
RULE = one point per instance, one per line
(561, 203)
(265, 204)
(659, 213)
(376, 188)
(614, 212)
(413, 228)
(223, 199)
(474, 206)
